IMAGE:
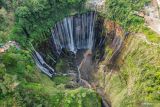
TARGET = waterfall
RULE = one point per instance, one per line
(72, 33)
(75, 32)
(42, 65)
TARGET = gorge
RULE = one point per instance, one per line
(74, 33)
(79, 53)
(78, 37)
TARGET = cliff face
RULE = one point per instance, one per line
(116, 38)
(124, 73)
(113, 26)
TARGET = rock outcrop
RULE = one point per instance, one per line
(97, 5)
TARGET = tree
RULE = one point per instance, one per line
(37, 17)
(123, 12)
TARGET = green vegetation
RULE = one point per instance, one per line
(137, 83)
(22, 84)
(61, 64)
(150, 34)
(124, 13)
(61, 80)
(6, 20)
(143, 71)
(34, 19)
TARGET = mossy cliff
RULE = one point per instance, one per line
(133, 78)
